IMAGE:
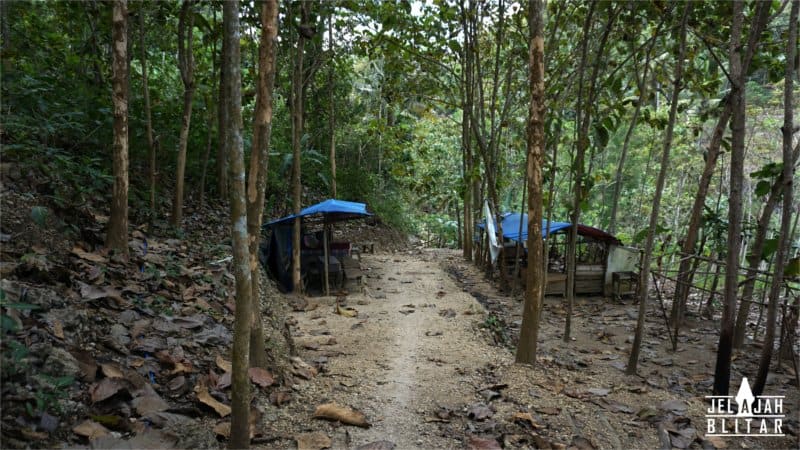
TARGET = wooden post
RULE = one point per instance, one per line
(326, 252)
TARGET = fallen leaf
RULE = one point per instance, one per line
(346, 311)
(278, 398)
(149, 404)
(181, 367)
(146, 439)
(58, 329)
(260, 377)
(86, 363)
(106, 388)
(111, 370)
(479, 443)
(312, 441)
(93, 257)
(206, 399)
(89, 292)
(601, 392)
(226, 366)
(527, 418)
(716, 441)
(344, 414)
(90, 429)
(377, 445)
(176, 383)
(224, 381)
(223, 429)
(675, 406)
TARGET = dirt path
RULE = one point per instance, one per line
(411, 350)
(425, 361)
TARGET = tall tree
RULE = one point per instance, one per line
(756, 254)
(644, 271)
(331, 106)
(641, 83)
(231, 60)
(722, 370)
(151, 149)
(259, 159)
(467, 98)
(758, 23)
(784, 237)
(117, 237)
(534, 289)
(298, 80)
(585, 106)
(222, 119)
(186, 66)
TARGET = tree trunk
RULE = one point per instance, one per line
(754, 258)
(117, 237)
(207, 154)
(644, 272)
(186, 66)
(786, 210)
(151, 149)
(466, 137)
(210, 124)
(259, 160)
(534, 289)
(222, 119)
(240, 383)
(580, 151)
(332, 110)
(759, 22)
(722, 370)
(642, 84)
(297, 132)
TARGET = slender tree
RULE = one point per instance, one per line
(786, 208)
(641, 83)
(723, 365)
(758, 23)
(259, 159)
(755, 256)
(186, 66)
(331, 106)
(644, 271)
(117, 237)
(222, 119)
(297, 131)
(151, 149)
(534, 289)
(231, 60)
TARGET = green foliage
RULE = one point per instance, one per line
(50, 390)
(39, 215)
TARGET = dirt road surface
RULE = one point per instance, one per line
(411, 350)
(431, 367)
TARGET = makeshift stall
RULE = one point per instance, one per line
(318, 254)
(598, 254)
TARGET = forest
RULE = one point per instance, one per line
(562, 224)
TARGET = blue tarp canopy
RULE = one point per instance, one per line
(511, 222)
(277, 253)
(332, 210)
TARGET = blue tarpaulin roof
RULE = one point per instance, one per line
(331, 208)
(511, 222)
